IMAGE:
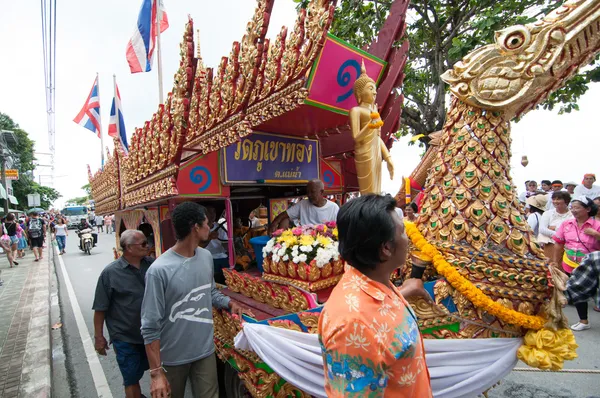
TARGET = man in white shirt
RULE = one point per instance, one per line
(254, 221)
(587, 187)
(314, 210)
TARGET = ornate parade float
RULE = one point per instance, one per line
(274, 114)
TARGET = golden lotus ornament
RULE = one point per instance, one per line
(517, 242)
(446, 212)
(451, 151)
(449, 184)
(500, 206)
(489, 141)
(477, 213)
(495, 172)
(459, 228)
(517, 220)
(435, 197)
(470, 176)
(506, 188)
(433, 224)
(444, 234)
(472, 149)
(462, 197)
(458, 163)
(461, 137)
(439, 168)
(476, 238)
(498, 230)
(486, 189)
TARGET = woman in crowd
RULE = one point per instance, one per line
(10, 226)
(22, 236)
(412, 212)
(575, 238)
(597, 202)
(552, 219)
(60, 233)
(536, 204)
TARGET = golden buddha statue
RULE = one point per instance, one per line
(369, 148)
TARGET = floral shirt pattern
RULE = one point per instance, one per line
(371, 342)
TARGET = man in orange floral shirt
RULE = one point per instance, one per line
(369, 334)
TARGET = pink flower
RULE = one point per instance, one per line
(278, 232)
(297, 231)
(331, 224)
(320, 228)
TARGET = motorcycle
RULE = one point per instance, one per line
(86, 240)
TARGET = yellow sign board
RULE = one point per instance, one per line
(12, 174)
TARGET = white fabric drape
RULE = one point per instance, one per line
(458, 368)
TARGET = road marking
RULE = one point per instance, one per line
(98, 375)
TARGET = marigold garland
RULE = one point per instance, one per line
(467, 289)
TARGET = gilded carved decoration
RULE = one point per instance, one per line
(105, 184)
(288, 298)
(260, 79)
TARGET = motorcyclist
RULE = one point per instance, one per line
(84, 224)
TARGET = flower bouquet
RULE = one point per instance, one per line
(306, 257)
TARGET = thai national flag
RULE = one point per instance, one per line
(89, 116)
(140, 50)
(116, 128)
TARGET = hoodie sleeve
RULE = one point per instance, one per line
(153, 307)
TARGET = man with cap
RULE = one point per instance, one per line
(587, 187)
(570, 187)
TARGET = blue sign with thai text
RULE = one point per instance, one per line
(263, 158)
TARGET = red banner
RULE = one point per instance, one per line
(331, 175)
(200, 177)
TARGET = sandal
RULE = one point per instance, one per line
(37, 259)
(596, 309)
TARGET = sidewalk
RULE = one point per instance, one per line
(25, 351)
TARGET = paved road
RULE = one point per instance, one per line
(77, 380)
(83, 271)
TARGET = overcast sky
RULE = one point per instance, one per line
(92, 37)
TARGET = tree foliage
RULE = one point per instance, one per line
(441, 32)
(23, 158)
(81, 200)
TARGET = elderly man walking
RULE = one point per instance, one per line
(118, 301)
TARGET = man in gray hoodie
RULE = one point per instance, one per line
(177, 323)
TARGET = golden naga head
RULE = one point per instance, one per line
(365, 88)
(528, 62)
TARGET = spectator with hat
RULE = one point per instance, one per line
(570, 187)
(536, 204)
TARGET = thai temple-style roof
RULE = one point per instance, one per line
(260, 86)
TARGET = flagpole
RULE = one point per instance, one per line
(116, 106)
(158, 48)
(100, 123)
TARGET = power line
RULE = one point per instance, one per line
(48, 10)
